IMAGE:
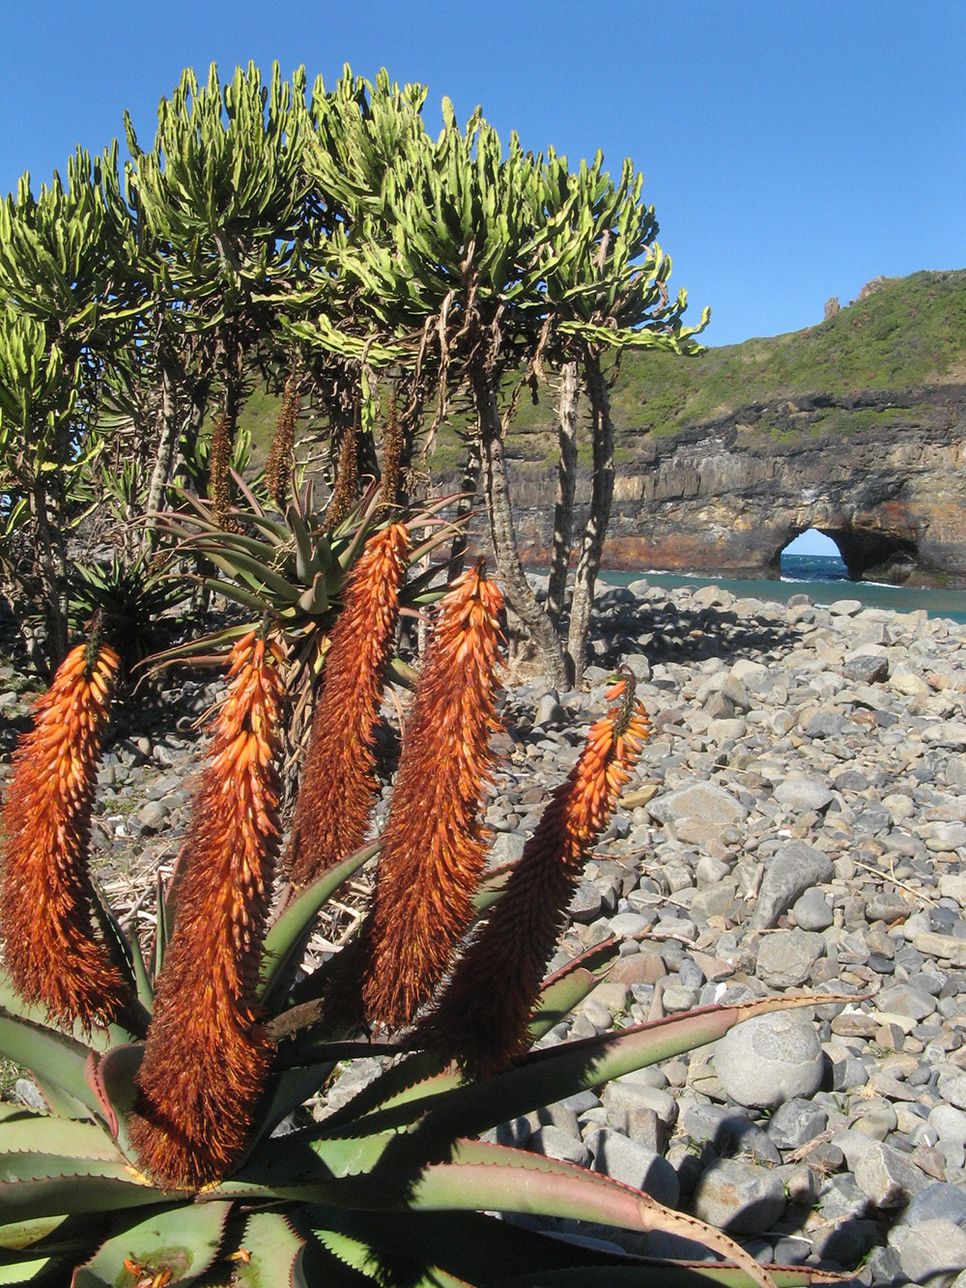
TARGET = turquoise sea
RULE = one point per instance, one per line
(823, 578)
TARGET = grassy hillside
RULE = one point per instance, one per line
(909, 331)
(906, 332)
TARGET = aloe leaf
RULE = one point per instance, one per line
(424, 1076)
(232, 543)
(112, 1077)
(557, 1072)
(363, 1256)
(290, 1089)
(492, 1178)
(272, 1254)
(20, 1272)
(286, 938)
(54, 1057)
(668, 1274)
(273, 527)
(49, 1185)
(126, 953)
(235, 562)
(185, 1241)
(44, 1134)
(472, 1245)
(403, 674)
(247, 598)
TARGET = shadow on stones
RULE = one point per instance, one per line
(667, 633)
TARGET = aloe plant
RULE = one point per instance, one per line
(167, 1075)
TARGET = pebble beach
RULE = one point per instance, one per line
(797, 823)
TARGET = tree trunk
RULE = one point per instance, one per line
(496, 488)
(165, 454)
(602, 494)
(464, 506)
(52, 561)
(563, 511)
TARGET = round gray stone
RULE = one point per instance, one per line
(739, 1197)
(786, 957)
(625, 1160)
(770, 1059)
(929, 1249)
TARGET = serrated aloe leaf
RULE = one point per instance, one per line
(484, 1177)
(286, 938)
(557, 1072)
(471, 1245)
(20, 1235)
(290, 1089)
(424, 1075)
(112, 1077)
(270, 1255)
(13, 1003)
(362, 1256)
(27, 1132)
(669, 1274)
(185, 1242)
(56, 1058)
(69, 1186)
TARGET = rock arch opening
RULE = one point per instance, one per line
(861, 556)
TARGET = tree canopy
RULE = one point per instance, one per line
(325, 242)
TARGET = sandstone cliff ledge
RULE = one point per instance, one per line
(882, 472)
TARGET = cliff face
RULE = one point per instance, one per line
(883, 473)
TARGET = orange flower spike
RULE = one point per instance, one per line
(207, 1056)
(339, 784)
(50, 948)
(482, 1017)
(434, 847)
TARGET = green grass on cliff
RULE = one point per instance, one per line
(909, 331)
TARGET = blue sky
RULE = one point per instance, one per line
(793, 149)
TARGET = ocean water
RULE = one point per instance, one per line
(823, 578)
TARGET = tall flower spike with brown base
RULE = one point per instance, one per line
(50, 949)
(434, 847)
(207, 1055)
(481, 1019)
(338, 780)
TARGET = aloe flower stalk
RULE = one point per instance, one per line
(279, 462)
(50, 948)
(482, 1017)
(339, 783)
(434, 846)
(207, 1055)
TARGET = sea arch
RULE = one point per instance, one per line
(867, 555)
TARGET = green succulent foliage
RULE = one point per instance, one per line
(605, 274)
(390, 1189)
(63, 253)
(131, 597)
(292, 567)
(219, 197)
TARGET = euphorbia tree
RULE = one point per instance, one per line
(606, 289)
(220, 206)
(62, 300)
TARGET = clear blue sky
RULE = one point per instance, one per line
(793, 149)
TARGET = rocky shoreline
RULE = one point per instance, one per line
(797, 822)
